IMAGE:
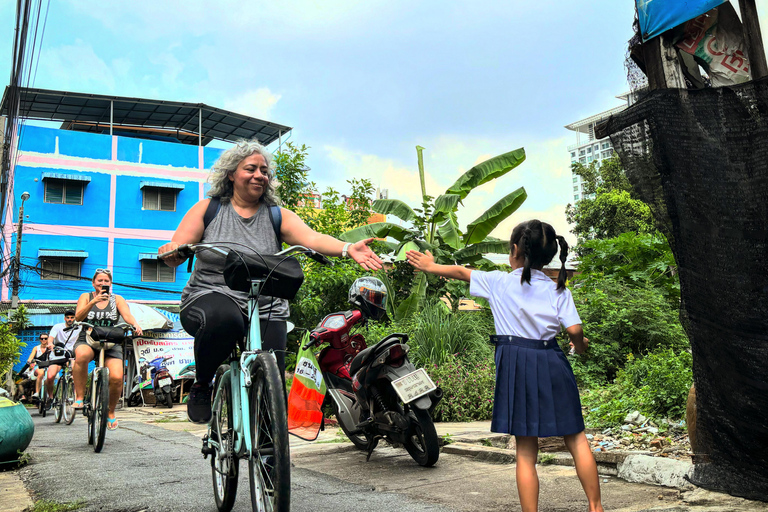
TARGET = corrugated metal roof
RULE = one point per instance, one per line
(61, 176)
(57, 253)
(161, 184)
(45, 320)
(147, 255)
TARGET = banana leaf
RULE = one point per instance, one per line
(375, 230)
(407, 246)
(412, 304)
(382, 274)
(486, 171)
(393, 207)
(478, 229)
(489, 245)
(449, 232)
(444, 205)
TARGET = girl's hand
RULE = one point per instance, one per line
(363, 255)
(421, 261)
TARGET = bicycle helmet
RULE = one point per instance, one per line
(370, 295)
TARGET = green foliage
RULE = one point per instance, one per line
(338, 215)
(467, 389)
(656, 385)
(10, 344)
(635, 260)
(440, 335)
(292, 173)
(613, 210)
(435, 226)
(55, 506)
(620, 320)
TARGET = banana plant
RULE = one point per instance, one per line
(434, 226)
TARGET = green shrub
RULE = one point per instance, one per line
(620, 320)
(656, 385)
(439, 334)
(467, 389)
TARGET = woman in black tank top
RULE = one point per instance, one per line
(101, 308)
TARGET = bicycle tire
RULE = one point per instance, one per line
(87, 412)
(68, 408)
(422, 443)
(41, 408)
(100, 409)
(58, 403)
(225, 468)
(269, 467)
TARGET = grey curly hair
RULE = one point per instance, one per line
(227, 163)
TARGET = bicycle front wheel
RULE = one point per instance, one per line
(100, 409)
(58, 401)
(225, 467)
(270, 463)
(68, 399)
(41, 406)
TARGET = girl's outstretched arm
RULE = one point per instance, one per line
(426, 263)
(578, 341)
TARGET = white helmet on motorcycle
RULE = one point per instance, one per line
(370, 295)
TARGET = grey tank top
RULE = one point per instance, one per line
(255, 233)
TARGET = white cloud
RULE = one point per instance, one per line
(76, 67)
(256, 103)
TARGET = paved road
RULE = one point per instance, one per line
(148, 467)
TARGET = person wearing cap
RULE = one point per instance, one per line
(58, 337)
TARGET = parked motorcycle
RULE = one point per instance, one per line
(376, 392)
(163, 385)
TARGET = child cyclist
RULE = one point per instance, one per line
(536, 394)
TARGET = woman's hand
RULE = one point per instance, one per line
(174, 260)
(421, 261)
(102, 296)
(137, 330)
(364, 256)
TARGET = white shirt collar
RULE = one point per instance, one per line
(535, 274)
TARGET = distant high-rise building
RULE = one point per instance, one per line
(588, 149)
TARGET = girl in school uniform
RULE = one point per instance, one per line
(536, 394)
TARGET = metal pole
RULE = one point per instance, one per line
(111, 115)
(17, 259)
(279, 139)
(753, 38)
(200, 127)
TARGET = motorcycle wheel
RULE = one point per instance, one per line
(421, 441)
(225, 467)
(169, 399)
(359, 440)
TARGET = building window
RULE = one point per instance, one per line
(576, 188)
(597, 147)
(606, 154)
(581, 153)
(60, 269)
(573, 154)
(162, 199)
(157, 272)
(575, 179)
(589, 150)
(589, 159)
(583, 160)
(63, 191)
(575, 197)
(606, 145)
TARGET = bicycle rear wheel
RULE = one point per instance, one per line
(68, 399)
(42, 405)
(58, 401)
(225, 467)
(100, 408)
(270, 463)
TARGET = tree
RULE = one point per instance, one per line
(292, 174)
(10, 344)
(613, 209)
(337, 215)
(434, 226)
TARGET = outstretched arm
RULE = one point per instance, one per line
(578, 341)
(426, 263)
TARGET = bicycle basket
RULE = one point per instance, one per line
(284, 281)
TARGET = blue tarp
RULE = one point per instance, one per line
(658, 16)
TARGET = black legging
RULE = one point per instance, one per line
(218, 324)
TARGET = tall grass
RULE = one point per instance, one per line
(440, 334)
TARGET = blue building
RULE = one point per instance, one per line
(106, 189)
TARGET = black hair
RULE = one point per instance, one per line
(69, 312)
(539, 243)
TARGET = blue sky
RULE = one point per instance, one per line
(362, 83)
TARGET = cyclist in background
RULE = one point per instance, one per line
(39, 352)
(59, 337)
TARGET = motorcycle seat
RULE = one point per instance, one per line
(365, 356)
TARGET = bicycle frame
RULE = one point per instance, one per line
(238, 378)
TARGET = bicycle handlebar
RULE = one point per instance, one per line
(187, 250)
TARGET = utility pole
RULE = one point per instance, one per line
(17, 259)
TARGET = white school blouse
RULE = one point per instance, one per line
(536, 311)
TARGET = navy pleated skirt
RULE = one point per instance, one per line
(536, 393)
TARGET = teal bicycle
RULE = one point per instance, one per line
(249, 419)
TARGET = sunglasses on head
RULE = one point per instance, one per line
(103, 271)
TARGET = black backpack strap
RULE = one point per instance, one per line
(276, 217)
(211, 211)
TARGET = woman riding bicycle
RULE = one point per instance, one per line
(242, 184)
(101, 308)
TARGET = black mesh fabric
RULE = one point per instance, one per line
(700, 160)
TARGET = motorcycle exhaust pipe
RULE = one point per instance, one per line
(435, 396)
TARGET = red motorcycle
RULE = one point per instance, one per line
(376, 392)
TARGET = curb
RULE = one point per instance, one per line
(634, 467)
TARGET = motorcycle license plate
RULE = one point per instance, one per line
(413, 386)
(165, 382)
